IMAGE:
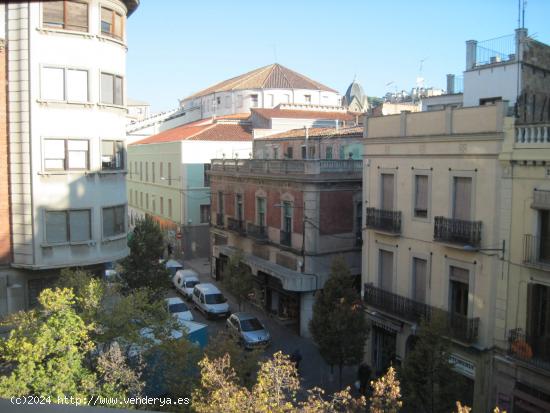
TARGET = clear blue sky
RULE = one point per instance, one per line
(177, 47)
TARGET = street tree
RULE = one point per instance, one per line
(386, 394)
(238, 278)
(338, 325)
(88, 290)
(430, 383)
(143, 267)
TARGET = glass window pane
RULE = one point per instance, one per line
(77, 85)
(78, 160)
(108, 222)
(107, 88)
(77, 16)
(53, 14)
(54, 164)
(54, 149)
(56, 226)
(106, 20)
(77, 145)
(79, 225)
(118, 90)
(53, 81)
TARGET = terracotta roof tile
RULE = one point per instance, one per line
(273, 76)
(316, 132)
(302, 114)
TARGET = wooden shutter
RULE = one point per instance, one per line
(386, 270)
(419, 279)
(421, 196)
(462, 202)
(52, 14)
(77, 16)
(387, 191)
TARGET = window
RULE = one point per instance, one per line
(207, 167)
(140, 170)
(307, 98)
(421, 183)
(270, 100)
(154, 203)
(161, 205)
(68, 226)
(387, 191)
(112, 153)
(419, 277)
(161, 171)
(111, 89)
(146, 201)
(169, 173)
(253, 101)
(342, 152)
(111, 23)
(205, 214)
(287, 217)
(218, 101)
(239, 101)
(170, 208)
(64, 85)
(141, 199)
(228, 101)
(220, 202)
(65, 154)
(146, 171)
(462, 198)
(538, 320)
(260, 203)
(459, 280)
(304, 153)
(311, 153)
(385, 270)
(290, 152)
(544, 232)
(113, 221)
(152, 172)
(328, 152)
(239, 204)
(275, 152)
(67, 15)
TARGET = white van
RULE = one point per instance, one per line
(208, 299)
(184, 281)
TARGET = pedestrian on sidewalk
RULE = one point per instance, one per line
(296, 358)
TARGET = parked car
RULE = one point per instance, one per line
(248, 330)
(173, 266)
(209, 300)
(178, 309)
(185, 281)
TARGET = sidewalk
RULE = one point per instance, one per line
(313, 369)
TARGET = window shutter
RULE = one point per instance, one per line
(421, 192)
(419, 279)
(387, 192)
(79, 225)
(77, 85)
(107, 88)
(53, 83)
(52, 14)
(118, 91)
(117, 30)
(77, 16)
(462, 198)
(459, 274)
(386, 270)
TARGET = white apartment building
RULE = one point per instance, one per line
(66, 66)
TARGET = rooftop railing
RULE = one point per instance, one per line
(533, 134)
(290, 167)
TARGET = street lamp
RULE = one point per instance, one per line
(475, 249)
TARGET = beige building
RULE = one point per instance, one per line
(430, 184)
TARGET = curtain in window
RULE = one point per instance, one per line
(419, 279)
(77, 16)
(386, 270)
(78, 154)
(77, 85)
(53, 14)
(54, 154)
(56, 226)
(52, 83)
(107, 88)
(387, 191)
(421, 196)
(462, 202)
(79, 225)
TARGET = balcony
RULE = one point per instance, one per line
(236, 225)
(258, 232)
(534, 350)
(459, 327)
(286, 238)
(457, 231)
(384, 220)
(220, 220)
(536, 251)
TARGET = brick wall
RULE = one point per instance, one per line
(5, 227)
(336, 212)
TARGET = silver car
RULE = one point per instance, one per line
(248, 330)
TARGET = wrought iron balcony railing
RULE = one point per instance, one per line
(457, 231)
(532, 349)
(536, 251)
(384, 220)
(458, 326)
(236, 225)
(286, 238)
(220, 220)
(258, 232)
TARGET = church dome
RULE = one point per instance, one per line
(355, 90)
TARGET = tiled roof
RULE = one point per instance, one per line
(302, 114)
(316, 132)
(273, 76)
(199, 131)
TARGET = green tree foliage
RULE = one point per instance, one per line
(386, 394)
(429, 382)
(142, 268)
(237, 278)
(47, 350)
(338, 325)
(88, 292)
(275, 390)
(244, 362)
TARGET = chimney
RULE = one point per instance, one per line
(450, 83)
(471, 50)
(521, 37)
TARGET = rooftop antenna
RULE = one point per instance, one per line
(522, 4)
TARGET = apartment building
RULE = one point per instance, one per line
(289, 217)
(66, 115)
(430, 185)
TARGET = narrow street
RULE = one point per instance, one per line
(313, 369)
